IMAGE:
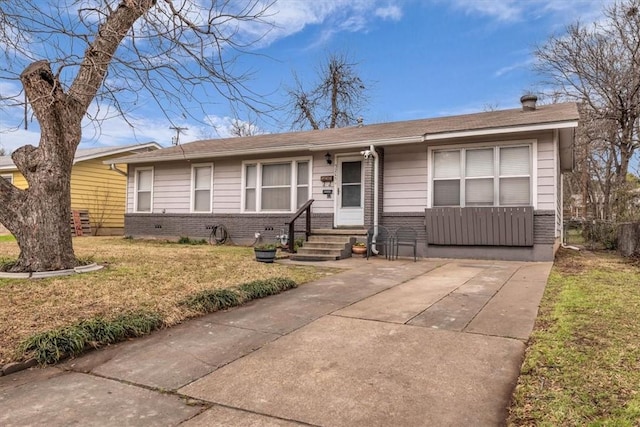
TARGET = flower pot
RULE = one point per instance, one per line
(265, 255)
(359, 250)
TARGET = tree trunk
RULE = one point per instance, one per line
(42, 228)
(39, 216)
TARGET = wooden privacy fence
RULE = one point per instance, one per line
(482, 226)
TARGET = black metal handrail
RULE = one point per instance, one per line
(291, 223)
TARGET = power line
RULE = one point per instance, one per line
(176, 139)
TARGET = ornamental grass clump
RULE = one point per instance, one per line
(51, 346)
(264, 288)
(212, 300)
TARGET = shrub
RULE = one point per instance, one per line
(184, 240)
(601, 232)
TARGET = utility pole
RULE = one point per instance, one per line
(176, 139)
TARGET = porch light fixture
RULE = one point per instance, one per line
(327, 157)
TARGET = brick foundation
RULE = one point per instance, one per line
(241, 227)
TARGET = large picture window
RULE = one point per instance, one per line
(201, 188)
(276, 186)
(488, 176)
(143, 190)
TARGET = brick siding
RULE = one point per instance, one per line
(241, 227)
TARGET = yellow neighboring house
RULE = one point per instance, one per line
(96, 186)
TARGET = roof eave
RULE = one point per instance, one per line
(502, 130)
(351, 144)
(292, 148)
(119, 150)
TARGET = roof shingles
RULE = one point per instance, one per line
(317, 139)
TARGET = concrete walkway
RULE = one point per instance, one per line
(437, 342)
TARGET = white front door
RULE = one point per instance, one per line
(350, 192)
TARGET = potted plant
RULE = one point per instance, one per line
(265, 252)
(359, 248)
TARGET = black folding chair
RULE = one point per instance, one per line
(406, 236)
(382, 241)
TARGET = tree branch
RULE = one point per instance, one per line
(100, 52)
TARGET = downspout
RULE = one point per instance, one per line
(114, 168)
(376, 201)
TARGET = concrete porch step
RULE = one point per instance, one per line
(328, 244)
(321, 251)
(302, 257)
(319, 244)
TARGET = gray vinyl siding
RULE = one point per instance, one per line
(322, 204)
(559, 195)
(405, 178)
(546, 172)
(227, 175)
(172, 187)
(130, 186)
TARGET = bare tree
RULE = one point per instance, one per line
(599, 66)
(119, 53)
(241, 128)
(335, 101)
(3, 152)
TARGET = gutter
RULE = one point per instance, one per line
(268, 150)
(501, 130)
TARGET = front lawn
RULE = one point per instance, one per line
(147, 276)
(582, 366)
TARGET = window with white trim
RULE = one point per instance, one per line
(8, 178)
(143, 189)
(487, 176)
(201, 187)
(276, 186)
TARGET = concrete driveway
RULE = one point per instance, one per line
(437, 342)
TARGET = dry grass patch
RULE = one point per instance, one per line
(140, 275)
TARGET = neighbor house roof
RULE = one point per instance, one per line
(83, 154)
(555, 116)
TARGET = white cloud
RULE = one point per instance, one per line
(118, 131)
(292, 16)
(518, 10)
(391, 12)
(518, 65)
(12, 138)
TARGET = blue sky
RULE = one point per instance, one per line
(422, 58)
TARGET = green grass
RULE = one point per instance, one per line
(7, 238)
(582, 366)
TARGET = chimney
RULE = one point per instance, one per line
(360, 121)
(529, 102)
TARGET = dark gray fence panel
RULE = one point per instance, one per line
(480, 226)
